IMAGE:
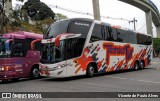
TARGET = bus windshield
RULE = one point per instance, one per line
(51, 53)
(67, 26)
(56, 29)
(5, 50)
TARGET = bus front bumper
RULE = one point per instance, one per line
(7, 75)
(58, 73)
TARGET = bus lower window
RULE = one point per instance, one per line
(74, 47)
(18, 50)
(96, 34)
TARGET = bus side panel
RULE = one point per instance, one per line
(112, 56)
(73, 69)
(32, 58)
(92, 53)
(148, 57)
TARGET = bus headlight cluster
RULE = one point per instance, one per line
(2, 68)
(55, 68)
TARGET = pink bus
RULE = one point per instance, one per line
(19, 55)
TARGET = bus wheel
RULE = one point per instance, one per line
(142, 65)
(4, 80)
(136, 66)
(35, 73)
(15, 79)
(90, 71)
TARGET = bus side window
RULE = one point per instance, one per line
(103, 29)
(2, 44)
(111, 34)
(37, 46)
(122, 36)
(10, 44)
(141, 39)
(74, 47)
(28, 42)
(108, 33)
(96, 33)
(18, 49)
(149, 40)
(131, 37)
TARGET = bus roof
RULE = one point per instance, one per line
(22, 35)
(107, 24)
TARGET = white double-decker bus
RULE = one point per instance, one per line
(82, 46)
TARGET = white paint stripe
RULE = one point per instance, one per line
(134, 79)
(158, 68)
(118, 77)
(148, 81)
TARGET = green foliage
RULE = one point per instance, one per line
(7, 23)
(156, 44)
(59, 16)
(38, 10)
(42, 25)
(41, 17)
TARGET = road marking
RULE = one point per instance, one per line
(131, 79)
(155, 63)
(148, 81)
(118, 77)
(158, 68)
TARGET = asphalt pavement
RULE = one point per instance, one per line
(146, 80)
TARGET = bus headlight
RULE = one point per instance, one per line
(55, 68)
(2, 68)
(58, 67)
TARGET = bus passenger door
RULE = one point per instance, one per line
(18, 56)
(74, 48)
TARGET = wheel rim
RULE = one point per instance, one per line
(142, 65)
(91, 70)
(136, 66)
(35, 72)
(5, 80)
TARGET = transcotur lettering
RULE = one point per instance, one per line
(118, 50)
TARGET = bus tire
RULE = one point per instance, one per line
(35, 73)
(136, 66)
(4, 80)
(90, 71)
(15, 79)
(142, 65)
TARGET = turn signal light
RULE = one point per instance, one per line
(8, 68)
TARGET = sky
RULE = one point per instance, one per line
(111, 8)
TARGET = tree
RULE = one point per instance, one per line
(38, 10)
(156, 45)
(2, 15)
(4, 20)
(59, 16)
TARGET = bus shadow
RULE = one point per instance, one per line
(84, 77)
(20, 80)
